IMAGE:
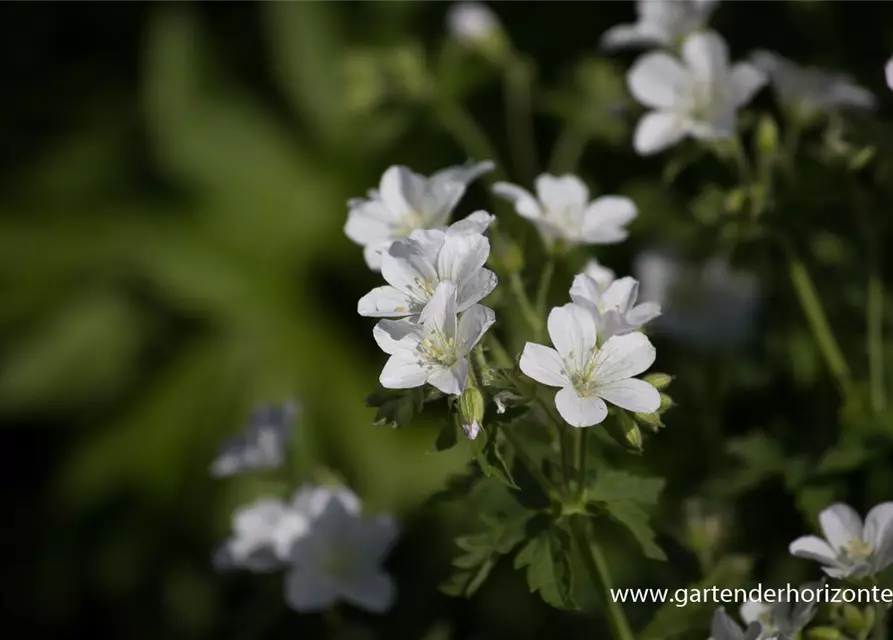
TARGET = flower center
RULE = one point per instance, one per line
(565, 218)
(336, 562)
(437, 347)
(425, 286)
(580, 375)
(857, 550)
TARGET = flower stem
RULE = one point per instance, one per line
(527, 308)
(569, 148)
(875, 340)
(542, 294)
(582, 459)
(519, 117)
(600, 576)
(468, 134)
(818, 323)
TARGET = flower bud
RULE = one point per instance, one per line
(666, 402)
(767, 135)
(650, 420)
(824, 633)
(474, 25)
(631, 432)
(659, 381)
(854, 619)
(471, 410)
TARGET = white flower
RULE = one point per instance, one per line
(602, 275)
(562, 210)
(888, 73)
(660, 23)
(472, 429)
(262, 445)
(809, 89)
(782, 620)
(253, 543)
(307, 504)
(724, 628)
(406, 201)
(587, 374)
(471, 22)
(414, 266)
(435, 350)
(340, 559)
(697, 97)
(850, 548)
(709, 305)
(614, 307)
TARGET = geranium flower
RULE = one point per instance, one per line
(782, 620)
(614, 307)
(253, 545)
(406, 201)
(414, 266)
(587, 374)
(724, 628)
(435, 349)
(698, 96)
(262, 445)
(850, 549)
(562, 210)
(661, 23)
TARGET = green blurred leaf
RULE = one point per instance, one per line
(635, 519)
(546, 558)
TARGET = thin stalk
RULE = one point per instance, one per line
(569, 148)
(567, 457)
(527, 308)
(582, 461)
(880, 622)
(519, 117)
(600, 576)
(542, 294)
(468, 134)
(875, 340)
(502, 356)
(818, 323)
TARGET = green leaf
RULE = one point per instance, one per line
(447, 437)
(482, 552)
(634, 518)
(488, 455)
(547, 559)
(673, 619)
(613, 486)
(395, 408)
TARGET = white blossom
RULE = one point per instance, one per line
(406, 201)
(724, 628)
(340, 560)
(587, 374)
(435, 349)
(472, 22)
(562, 210)
(306, 506)
(809, 89)
(262, 445)
(708, 305)
(888, 73)
(697, 96)
(661, 23)
(614, 307)
(782, 620)
(471, 429)
(602, 275)
(850, 549)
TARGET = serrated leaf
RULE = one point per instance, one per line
(547, 559)
(613, 486)
(486, 452)
(635, 519)
(672, 620)
(395, 408)
(842, 459)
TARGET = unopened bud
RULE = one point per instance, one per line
(854, 619)
(767, 135)
(650, 420)
(631, 432)
(824, 633)
(474, 25)
(666, 402)
(471, 410)
(659, 381)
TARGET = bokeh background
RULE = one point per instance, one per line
(172, 196)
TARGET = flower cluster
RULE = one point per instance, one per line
(329, 550)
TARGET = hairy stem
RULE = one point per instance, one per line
(600, 576)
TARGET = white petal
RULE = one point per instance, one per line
(440, 312)
(657, 131)
(461, 256)
(658, 80)
(628, 35)
(305, 591)
(746, 81)
(632, 394)
(707, 55)
(438, 200)
(840, 524)
(392, 188)
(562, 193)
(525, 204)
(642, 314)
(813, 548)
(376, 537)
(752, 611)
(477, 222)
(621, 294)
(409, 264)
(580, 411)
(586, 292)
(473, 428)
(572, 330)
(600, 273)
(368, 224)
(888, 73)
(464, 174)
(606, 218)
(387, 302)
(472, 326)
(372, 253)
(623, 357)
(544, 365)
(475, 288)
(393, 336)
(450, 380)
(879, 533)
(402, 371)
(723, 627)
(372, 591)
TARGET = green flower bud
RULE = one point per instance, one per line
(824, 633)
(666, 402)
(853, 618)
(659, 381)
(471, 410)
(767, 135)
(631, 432)
(650, 420)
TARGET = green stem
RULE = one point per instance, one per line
(532, 467)
(875, 340)
(818, 323)
(527, 308)
(542, 294)
(519, 117)
(880, 622)
(582, 460)
(569, 148)
(468, 135)
(600, 576)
